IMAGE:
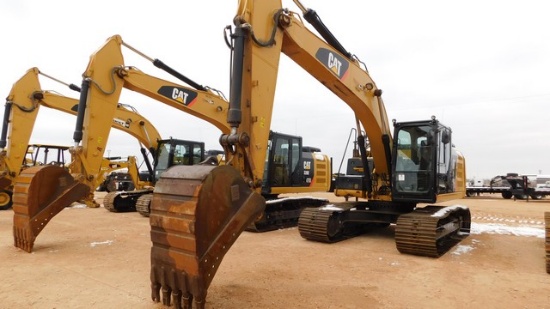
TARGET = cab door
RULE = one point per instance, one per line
(282, 162)
(415, 161)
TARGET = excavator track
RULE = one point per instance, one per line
(109, 201)
(197, 213)
(40, 193)
(123, 201)
(143, 204)
(323, 224)
(432, 230)
(547, 242)
(284, 213)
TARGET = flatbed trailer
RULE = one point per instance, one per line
(506, 192)
(518, 190)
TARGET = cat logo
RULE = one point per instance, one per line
(184, 96)
(334, 62)
(180, 96)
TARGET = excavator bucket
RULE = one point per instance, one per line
(40, 193)
(197, 213)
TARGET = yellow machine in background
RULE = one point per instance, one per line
(294, 169)
(22, 107)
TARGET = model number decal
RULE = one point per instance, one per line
(121, 122)
(181, 95)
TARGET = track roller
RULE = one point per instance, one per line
(109, 201)
(143, 204)
(197, 213)
(325, 224)
(123, 201)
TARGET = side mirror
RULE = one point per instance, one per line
(446, 137)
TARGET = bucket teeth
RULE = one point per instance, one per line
(197, 213)
(23, 237)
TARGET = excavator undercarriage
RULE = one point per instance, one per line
(429, 231)
(125, 201)
(284, 212)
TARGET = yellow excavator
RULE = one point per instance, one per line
(169, 152)
(21, 110)
(291, 168)
(198, 212)
(27, 97)
(295, 168)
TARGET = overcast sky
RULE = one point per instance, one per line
(481, 67)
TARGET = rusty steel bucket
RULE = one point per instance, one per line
(197, 213)
(40, 193)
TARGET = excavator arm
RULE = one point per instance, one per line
(21, 108)
(202, 103)
(125, 119)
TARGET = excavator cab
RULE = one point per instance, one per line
(172, 152)
(282, 168)
(425, 161)
(289, 165)
(38, 154)
(35, 155)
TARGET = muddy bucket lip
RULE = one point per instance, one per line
(197, 172)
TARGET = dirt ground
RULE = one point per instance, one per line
(91, 258)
